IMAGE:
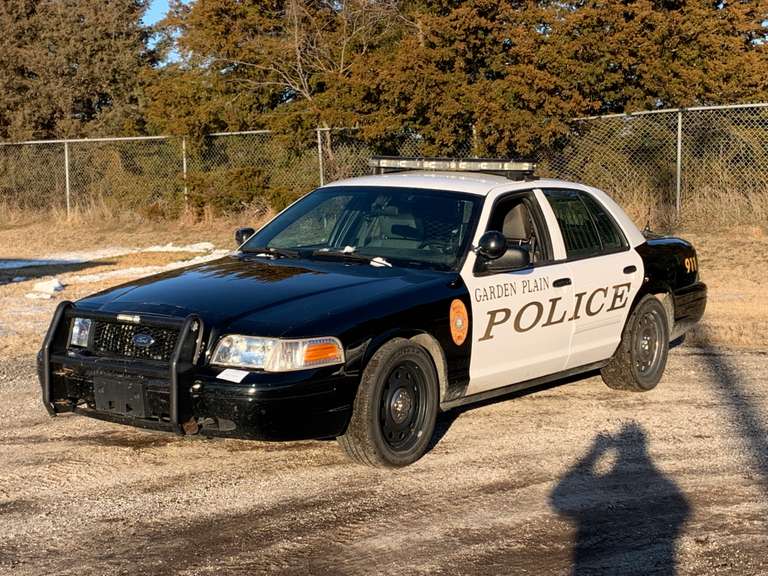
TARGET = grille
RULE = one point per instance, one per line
(115, 339)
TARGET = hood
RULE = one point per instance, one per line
(237, 286)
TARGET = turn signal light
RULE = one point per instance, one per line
(321, 353)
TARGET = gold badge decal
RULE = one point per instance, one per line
(459, 322)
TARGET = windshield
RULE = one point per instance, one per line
(401, 226)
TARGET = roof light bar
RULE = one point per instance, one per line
(514, 169)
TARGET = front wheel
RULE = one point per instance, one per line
(395, 408)
(641, 357)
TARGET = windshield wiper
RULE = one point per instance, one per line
(274, 252)
(340, 254)
(347, 254)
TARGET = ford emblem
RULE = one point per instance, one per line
(143, 340)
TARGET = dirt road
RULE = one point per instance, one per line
(571, 478)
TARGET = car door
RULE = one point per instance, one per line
(606, 273)
(520, 329)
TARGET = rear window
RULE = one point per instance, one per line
(609, 233)
(576, 224)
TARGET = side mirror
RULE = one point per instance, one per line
(492, 245)
(242, 234)
(515, 258)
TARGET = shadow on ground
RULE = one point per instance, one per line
(11, 268)
(744, 414)
(627, 514)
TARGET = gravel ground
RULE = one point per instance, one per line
(572, 478)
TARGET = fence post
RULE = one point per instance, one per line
(184, 169)
(679, 167)
(66, 178)
(320, 156)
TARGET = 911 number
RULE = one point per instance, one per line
(691, 265)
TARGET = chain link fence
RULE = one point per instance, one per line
(345, 154)
(699, 165)
(32, 177)
(235, 171)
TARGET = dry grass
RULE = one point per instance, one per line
(25, 234)
(644, 207)
(716, 204)
(735, 269)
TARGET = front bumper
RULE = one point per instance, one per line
(185, 395)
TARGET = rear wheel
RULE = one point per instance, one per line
(641, 357)
(395, 408)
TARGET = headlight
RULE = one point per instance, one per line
(81, 330)
(274, 355)
(244, 351)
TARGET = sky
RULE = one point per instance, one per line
(157, 9)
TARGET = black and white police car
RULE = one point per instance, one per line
(372, 303)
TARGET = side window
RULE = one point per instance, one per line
(609, 233)
(515, 217)
(576, 224)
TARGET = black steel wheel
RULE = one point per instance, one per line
(647, 342)
(395, 407)
(641, 357)
(403, 411)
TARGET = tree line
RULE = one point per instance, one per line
(505, 75)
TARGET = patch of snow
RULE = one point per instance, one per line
(198, 247)
(79, 257)
(144, 270)
(50, 286)
(18, 279)
(45, 290)
(38, 296)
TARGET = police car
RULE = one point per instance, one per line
(371, 304)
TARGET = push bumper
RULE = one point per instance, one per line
(185, 396)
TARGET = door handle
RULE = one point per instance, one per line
(630, 269)
(560, 282)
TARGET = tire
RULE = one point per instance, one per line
(394, 412)
(639, 361)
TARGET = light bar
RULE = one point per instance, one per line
(509, 168)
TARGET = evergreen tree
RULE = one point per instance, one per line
(503, 75)
(276, 63)
(71, 67)
(645, 54)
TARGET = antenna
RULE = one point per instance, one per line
(648, 221)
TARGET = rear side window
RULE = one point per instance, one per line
(576, 224)
(610, 235)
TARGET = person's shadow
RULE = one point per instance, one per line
(628, 515)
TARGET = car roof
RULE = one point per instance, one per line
(482, 184)
(471, 182)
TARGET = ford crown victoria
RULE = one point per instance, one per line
(371, 304)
